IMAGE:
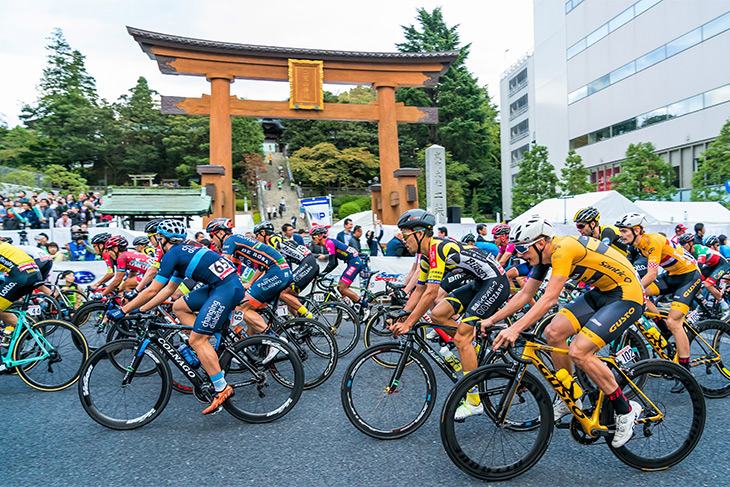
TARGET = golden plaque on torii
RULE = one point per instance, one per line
(305, 84)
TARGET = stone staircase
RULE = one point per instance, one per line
(272, 198)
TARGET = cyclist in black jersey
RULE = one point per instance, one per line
(586, 220)
(18, 275)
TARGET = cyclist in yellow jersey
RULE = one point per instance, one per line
(682, 277)
(19, 274)
(586, 221)
(595, 318)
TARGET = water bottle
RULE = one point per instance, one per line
(189, 356)
(657, 336)
(567, 380)
(450, 358)
(7, 334)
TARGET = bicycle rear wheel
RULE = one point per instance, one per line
(58, 352)
(123, 407)
(384, 413)
(485, 448)
(316, 347)
(89, 319)
(709, 342)
(342, 321)
(660, 441)
(258, 398)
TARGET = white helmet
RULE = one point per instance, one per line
(530, 230)
(630, 220)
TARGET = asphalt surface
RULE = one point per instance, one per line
(47, 439)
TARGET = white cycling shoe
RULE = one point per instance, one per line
(466, 409)
(560, 409)
(625, 425)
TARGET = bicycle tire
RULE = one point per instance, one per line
(714, 378)
(79, 299)
(256, 399)
(466, 442)
(115, 406)
(383, 414)
(315, 345)
(343, 322)
(61, 368)
(89, 319)
(687, 407)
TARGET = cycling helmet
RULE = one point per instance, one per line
(587, 215)
(318, 230)
(500, 229)
(630, 220)
(140, 241)
(116, 241)
(265, 226)
(469, 237)
(711, 240)
(685, 239)
(217, 224)
(416, 218)
(151, 227)
(6, 240)
(174, 230)
(530, 231)
(101, 238)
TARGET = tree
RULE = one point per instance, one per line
(575, 176)
(186, 144)
(644, 175)
(324, 165)
(21, 178)
(713, 169)
(467, 117)
(535, 181)
(20, 146)
(61, 178)
(248, 139)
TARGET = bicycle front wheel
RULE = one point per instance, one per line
(381, 411)
(342, 321)
(487, 448)
(316, 347)
(265, 389)
(54, 352)
(120, 406)
(671, 423)
(89, 319)
(707, 344)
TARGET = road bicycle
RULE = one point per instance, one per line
(127, 383)
(517, 425)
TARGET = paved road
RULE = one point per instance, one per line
(49, 440)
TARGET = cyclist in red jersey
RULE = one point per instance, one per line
(125, 260)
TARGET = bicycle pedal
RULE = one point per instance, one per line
(561, 425)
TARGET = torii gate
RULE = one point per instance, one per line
(305, 70)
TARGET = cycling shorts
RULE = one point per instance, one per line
(353, 269)
(214, 305)
(713, 274)
(454, 280)
(683, 287)
(305, 273)
(18, 283)
(523, 269)
(602, 316)
(45, 268)
(268, 286)
(188, 285)
(479, 299)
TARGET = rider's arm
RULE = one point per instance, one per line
(650, 276)
(518, 301)
(331, 264)
(412, 277)
(104, 279)
(423, 304)
(504, 258)
(143, 297)
(256, 275)
(543, 305)
(148, 276)
(162, 296)
(118, 278)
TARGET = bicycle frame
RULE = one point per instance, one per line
(39, 339)
(656, 342)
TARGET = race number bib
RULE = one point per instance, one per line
(221, 268)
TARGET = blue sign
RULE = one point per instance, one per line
(84, 277)
(727, 185)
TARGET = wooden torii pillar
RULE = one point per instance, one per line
(306, 70)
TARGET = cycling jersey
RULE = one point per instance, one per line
(252, 253)
(108, 261)
(447, 255)
(343, 252)
(707, 256)
(711, 263)
(198, 263)
(610, 236)
(149, 251)
(661, 252)
(12, 258)
(291, 250)
(22, 274)
(42, 258)
(133, 261)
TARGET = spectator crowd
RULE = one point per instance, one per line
(36, 211)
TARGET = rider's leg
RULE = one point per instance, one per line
(712, 290)
(675, 322)
(562, 327)
(255, 322)
(345, 290)
(296, 308)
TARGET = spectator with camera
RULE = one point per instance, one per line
(79, 248)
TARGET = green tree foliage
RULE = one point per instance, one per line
(713, 169)
(467, 117)
(59, 177)
(359, 95)
(575, 176)
(248, 139)
(21, 178)
(20, 146)
(535, 182)
(644, 175)
(324, 165)
(187, 144)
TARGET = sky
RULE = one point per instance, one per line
(500, 33)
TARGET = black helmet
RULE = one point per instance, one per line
(140, 241)
(265, 226)
(685, 239)
(587, 215)
(416, 218)
(6, 240)
(711, 240)
(151, 227)
(101, 238)
(217, 224)
(469, 237)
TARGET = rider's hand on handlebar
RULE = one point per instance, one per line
(115, 314)
(506, 337)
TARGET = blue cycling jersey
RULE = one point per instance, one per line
(254, 254)
(198, 263)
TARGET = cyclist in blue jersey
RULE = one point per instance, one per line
(347, 254)
(213, 302)
(272, 274)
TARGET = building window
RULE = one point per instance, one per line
(520, 129)
(623, 127)
(517, 154)
(623, 72)
(717, 96)
(599, 135)
(685, 42)
(717, 26)
(598, 85)
(518, 81)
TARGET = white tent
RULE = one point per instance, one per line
(686, 212)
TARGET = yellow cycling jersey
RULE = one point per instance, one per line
(660, 251)
(447, 255)
(591, 261)
(12, 257)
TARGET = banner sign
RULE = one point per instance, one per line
(319, 209)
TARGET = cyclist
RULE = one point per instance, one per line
(586, 221)
(500, 232)
(98, 241)
(212, 302)
(44, 261)
(712, 265)
(338, 250)
(151, 230)
(142, 245)
(595, 318)
(681, 279)
(18, 275)
(477, 299)
(307, 267)
(125, 262)
(272, 274)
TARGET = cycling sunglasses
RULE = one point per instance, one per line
(580, 226)
(408, 234)
(521, 249)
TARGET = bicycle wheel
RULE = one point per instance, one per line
(89, 319)
(482, 447)
(660, 441)
(382, 413)
(707, 344)
(75, 300)
(342, 321)
(316, 347)
(57, 351)
(49, 309)
(258, 399)
(115, 405)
